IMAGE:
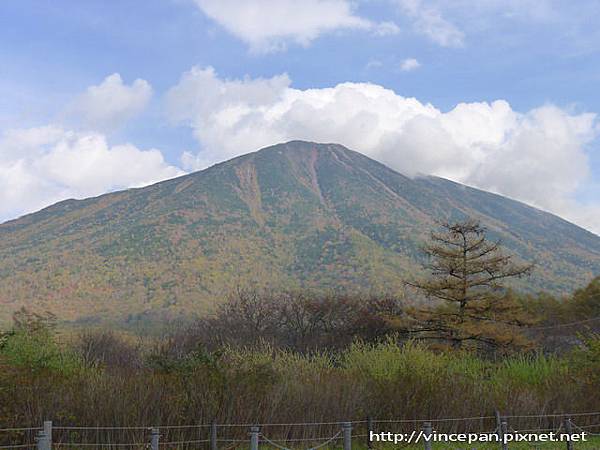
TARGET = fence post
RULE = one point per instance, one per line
(347, 431)
(504, 432)
(213, 435)
(254, 432)
(370, 429)
(154, 437)
(40, 440)
(427, 432)
(569, 431)
(498, 424)
(48, 431)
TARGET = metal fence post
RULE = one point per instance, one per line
(40, 440)
(569, 431)
(504, 432)
(154, 437)
(427, 432)
(370, 430)
(213, 435)
(347, 432)
(254, 432)
(498, 424)
(48, 431)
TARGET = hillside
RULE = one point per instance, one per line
(290, 215)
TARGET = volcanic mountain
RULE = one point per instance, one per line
(294, 215)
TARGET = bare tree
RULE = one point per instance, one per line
(296, 320)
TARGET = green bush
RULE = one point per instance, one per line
(31, 345)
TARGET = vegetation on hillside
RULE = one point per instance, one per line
(299, 216)
(266, 356)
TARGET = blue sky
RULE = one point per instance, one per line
(220, 78)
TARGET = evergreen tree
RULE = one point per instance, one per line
(466, 275)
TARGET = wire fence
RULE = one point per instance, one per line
(288, 436)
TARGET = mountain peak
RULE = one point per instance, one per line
(300, 145)
(295, 214)
(307, 149)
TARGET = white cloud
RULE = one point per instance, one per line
(409, 64)
(537, 156)
(40, 166)
(111, 104)
(268, 25)
(386, 29)
(43, 165)
(541, 11)
(447, 23)
(427, 19)
(373, 64)
(192, 162)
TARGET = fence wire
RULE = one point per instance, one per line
(282, 435)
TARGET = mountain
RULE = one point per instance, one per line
(298, 214)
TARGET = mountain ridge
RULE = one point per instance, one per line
(298, 214)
